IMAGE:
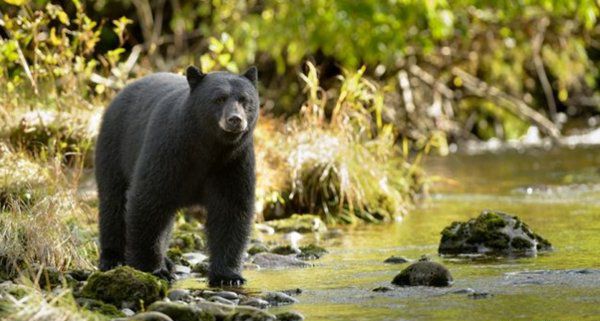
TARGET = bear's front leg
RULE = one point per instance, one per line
(229, 200)
(148, 222)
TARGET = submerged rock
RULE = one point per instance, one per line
(125, 285)
(181, 311)
(279, 298)
(396, 260)
(311, 252)
(100, 307)
(277, 261)
(300, 223)
(382, 289)
(289, 316)
(285, 250)
(149, 316)
(424, 273)
(492, 232)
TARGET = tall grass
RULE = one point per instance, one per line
(339, 158)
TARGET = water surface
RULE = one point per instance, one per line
(556, 192)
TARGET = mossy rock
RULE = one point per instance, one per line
(51, 278)
(492, 232)
(284, 250)
(125, 284)
(181, 311)
(100, 307)
(257, 248)
(311, 252)
(250, 314)
(289, 316)
(188, 242)
(424, 273)
(305, 223)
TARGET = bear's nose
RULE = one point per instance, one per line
(234, 120)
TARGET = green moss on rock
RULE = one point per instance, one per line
(492, 232)
(424, 273)
(311, 252)
(125, 284)
(284, 250)
(100, 307)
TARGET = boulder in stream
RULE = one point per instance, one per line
(492, 232)
(425, 273)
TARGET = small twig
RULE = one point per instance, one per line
(431, 81)
(515, 105)
(536, 46)
(407, 95)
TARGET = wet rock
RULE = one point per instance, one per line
(265, 229)
(194, 257)
(179, 295)
(256, 302)
(311, 252)
(396, 260)
(463, 291)
(181, 311)
(79, 275)
(201, 268)
(229, 295)
(278, 298)
(276, 261)
(289, 316)
(182, 270)
(479, 295)
(100, 307)
(285, 250)
(300, 223)
(257, 248)
(424, 273)
(149, 316)
(382, 289)
(494, 233)
(250, 314)
(125, 286)
(295, 291)
(221, 300)
(127, 312)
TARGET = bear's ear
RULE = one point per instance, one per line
(194, 76)
(252, 75)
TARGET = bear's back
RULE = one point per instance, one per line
(127, 118)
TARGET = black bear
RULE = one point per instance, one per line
(167, 142)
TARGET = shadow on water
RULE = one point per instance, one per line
(556, 192)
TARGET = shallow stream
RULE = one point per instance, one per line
(556, 192)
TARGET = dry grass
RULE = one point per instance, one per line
(43, 220)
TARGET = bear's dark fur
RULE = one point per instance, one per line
(167, 142)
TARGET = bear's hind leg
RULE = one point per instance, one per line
(111, 193)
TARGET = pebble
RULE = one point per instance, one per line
(150, 316)
(256, 302)
(396, 260)
(382, 289)
(229, 295)
(127, 312)
(194, 257)
(221, 300)
(279, 298)
(289, 316)
(179, 295)
(425, 273)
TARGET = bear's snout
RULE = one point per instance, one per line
(233, 119)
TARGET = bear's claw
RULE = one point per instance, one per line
(226, 281)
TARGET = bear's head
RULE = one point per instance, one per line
(226, 103)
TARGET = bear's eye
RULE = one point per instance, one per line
(243, 100)
(221, 99)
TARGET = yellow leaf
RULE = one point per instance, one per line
(63, 17)
(15, 2)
